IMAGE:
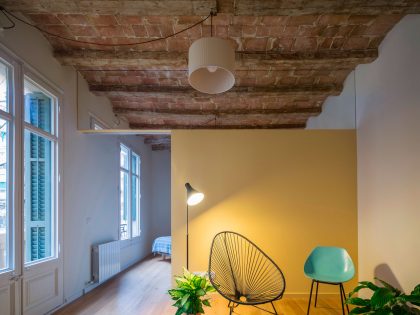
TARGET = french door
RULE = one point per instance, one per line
(30, 216)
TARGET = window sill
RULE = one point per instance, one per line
(130, 241)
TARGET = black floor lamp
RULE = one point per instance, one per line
(194, 197)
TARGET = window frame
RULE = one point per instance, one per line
(9, 117)
(130, 173)
(56, 160)
(19, 69)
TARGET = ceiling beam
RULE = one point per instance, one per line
(302, 7)
(161, 147)
(159, 60)
(157, 140)
(204, 121)
(243, 91)
(217, 112)
(203, 7)
(130, 7)
(140, 126)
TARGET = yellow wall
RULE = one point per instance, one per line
(288, 191)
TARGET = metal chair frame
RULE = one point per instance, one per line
(342, 294)
(235, 302)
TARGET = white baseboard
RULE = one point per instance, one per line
(92, 286)
(67, 300)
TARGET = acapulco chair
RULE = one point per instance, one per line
(243, 274)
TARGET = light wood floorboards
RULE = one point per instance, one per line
(141, 290)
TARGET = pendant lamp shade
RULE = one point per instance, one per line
(211, 62)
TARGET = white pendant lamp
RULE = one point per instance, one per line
(211, 62)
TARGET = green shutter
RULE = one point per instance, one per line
(38, 180)
(133, 198)
(39, 106)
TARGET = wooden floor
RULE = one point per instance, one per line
(141, 290)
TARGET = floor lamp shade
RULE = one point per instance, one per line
(194, 197)
(211, 62)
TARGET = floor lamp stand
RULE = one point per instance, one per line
(187, 242)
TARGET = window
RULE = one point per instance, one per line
(39, 172)
(6, 120)
(129, 193)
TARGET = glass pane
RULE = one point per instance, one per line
(135, 164)
(135, 206)
(4, 211)
(124, 157)
(38, 185)
(38, 108)
(4, 87)
(124, 233)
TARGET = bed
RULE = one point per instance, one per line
(163, 246)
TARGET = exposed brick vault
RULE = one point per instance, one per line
(290, 55)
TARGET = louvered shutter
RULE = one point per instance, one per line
(133, 198)
(38, 179)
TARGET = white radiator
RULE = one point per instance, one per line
(105, 261)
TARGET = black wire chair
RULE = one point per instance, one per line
(242, 273)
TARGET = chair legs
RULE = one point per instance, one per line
(342, 295)
(232, 306)
(274, 308)
(310, 297)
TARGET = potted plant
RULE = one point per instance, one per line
(190, 293)
(385, 300)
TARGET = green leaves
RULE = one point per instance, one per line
(389, 287)
(386, 300)
(206, 303)
(381, 297)
(416, 290)
(360, 310)
(358, 301)
(415, 293)
(189, 295)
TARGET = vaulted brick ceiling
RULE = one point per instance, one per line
(290, 55)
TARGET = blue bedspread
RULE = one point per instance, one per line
(162, 245)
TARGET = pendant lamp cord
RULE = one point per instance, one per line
(10, 15)
(211, 24)
(213, 12)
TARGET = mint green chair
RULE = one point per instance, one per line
(329, 265)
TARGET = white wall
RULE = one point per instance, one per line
(98, 107)
(388, 133)
(91, 168)
(388, 145)
(161, 191)
(338, 112)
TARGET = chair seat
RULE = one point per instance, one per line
(329, 278)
